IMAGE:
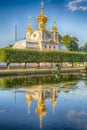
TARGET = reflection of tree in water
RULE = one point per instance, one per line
(69, 86)
(85, 82)
(30, 81)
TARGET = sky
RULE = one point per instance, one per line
(71, 18)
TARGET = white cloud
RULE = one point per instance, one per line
(74, 5)
(79, 118)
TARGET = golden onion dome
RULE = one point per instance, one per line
(29, 29)
(54, 101)
(54, 28)
(41, 111)
(42, 19)
(41, 108)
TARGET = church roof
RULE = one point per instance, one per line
(20, 44)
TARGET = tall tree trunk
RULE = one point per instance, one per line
(72, 64)
(83, 64)
(61, 64)
(8, 66)
(25, 64)
(52, 65)
(38, 65)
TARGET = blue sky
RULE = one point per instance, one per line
(71, 18)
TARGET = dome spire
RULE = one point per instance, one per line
(42, 4)
(42, 19)
(55, 20)
(42, 8)
(54, 99)
(29, 19)
(28, 101)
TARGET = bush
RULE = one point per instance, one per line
(29, 56)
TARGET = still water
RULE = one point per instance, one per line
(43, 103)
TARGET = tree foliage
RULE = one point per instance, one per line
(83, 48)
(30, 81)
(28, 56)
(71, 43)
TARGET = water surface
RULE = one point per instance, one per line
(34, 104)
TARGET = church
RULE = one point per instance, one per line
(40, 39)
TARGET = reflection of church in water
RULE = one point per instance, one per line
(41, 95)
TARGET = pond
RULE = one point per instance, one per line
(43, 103)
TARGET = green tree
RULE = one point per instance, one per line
(60, 38)
(67, 41)
(83, 48)
(74, 44)
(71, 43)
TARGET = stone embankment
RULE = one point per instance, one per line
(29, 72)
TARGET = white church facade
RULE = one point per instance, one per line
(40, 39)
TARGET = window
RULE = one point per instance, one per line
(45, 46)
(49, 46)
(54, 47)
